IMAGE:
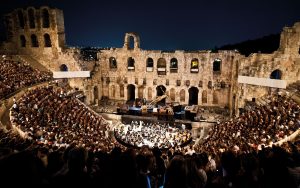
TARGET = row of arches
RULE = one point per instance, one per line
(34, 40)
(31, 14)
(193, 93)
(162, 65)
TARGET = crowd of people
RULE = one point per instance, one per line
(15, 75)
(262, 126)
(66, 143)
(156, 134)
(146, 167)
(49, 116)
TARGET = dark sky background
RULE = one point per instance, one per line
(168, 25)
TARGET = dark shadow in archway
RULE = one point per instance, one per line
(161, 90)
(276, 74)
(131, 93)
(193, 96)
(63, 68)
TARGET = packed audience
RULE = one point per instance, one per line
(264, 125)
(49, 116)
(156, 134)
(15, 75)
(67, 144)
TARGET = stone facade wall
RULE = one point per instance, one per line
(115, 79)
(40, 34)
(285, 60)
(115, 76)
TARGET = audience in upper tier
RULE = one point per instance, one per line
(264, 125)
(15, 75)
(49, 116)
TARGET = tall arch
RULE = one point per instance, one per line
(200, 83)
(130, 42)
(129, 38)
(47, 40)
(31, 17)
(209, 85)
(130, 64)
(45, 18)
(182, 95)
(223, 84)
(131, 92)
(161, 66)
(34, 41)
(217, 65)
(122, 91)
(172, 94)
(149, 93)
(215, 98)
(141, 92)
(194, 65)
(193, 96)
(113, 63)
(173, 65)
(23, 41)
(161, 90)
(204, 97)
(63, 68)
(113, 91)
(149, 64)
(21, 19)
(276, 74)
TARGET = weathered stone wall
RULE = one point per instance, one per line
(117, 79)
(286, 60)
(112, 76)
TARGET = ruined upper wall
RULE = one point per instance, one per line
(290, 40)
(34, 30)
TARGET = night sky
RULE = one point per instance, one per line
(168, 25)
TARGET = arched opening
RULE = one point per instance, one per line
(200, 83)
(130, 42)
(113, 91)
(130, 63)
(21, 19)
(161, 90)
(149, 93)
(149, 64)
(121, 90)
(223, 85)
(96, 94)
(141, 92)
(276, 74)
(161, 66)
(209, 85)
(45, 20)
(217, 66)
(31, 18)
(195, 65)
(174, 65)
(47, 40)
(23, 41)
(193, 96)
(182, 95)
(34, 41)
(204, 97)
(172, 94)
(131, 92)
(63, 68)
(113, 63)
(215, 97)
